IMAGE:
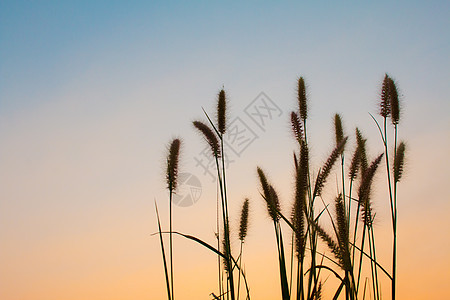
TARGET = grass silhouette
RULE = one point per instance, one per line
(351, 244)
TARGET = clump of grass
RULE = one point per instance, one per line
(304, 218)
(390, 108)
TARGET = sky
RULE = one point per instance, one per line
(92, 92)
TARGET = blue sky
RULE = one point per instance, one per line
(92, 91)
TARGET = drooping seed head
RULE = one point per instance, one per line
(334, 247)
(399, 160)
(221, 112)
(209, 136)
(302, 102)
(172, 164)
(385, 106)
(394, 102)
(274, 204)
(243, 225)
(326, 169)
(270, 196)
(364, 191)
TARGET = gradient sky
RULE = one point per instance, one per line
(91, 92)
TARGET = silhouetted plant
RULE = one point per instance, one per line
(352, 220)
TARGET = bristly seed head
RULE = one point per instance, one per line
(172, 164)
(342, 232)
(270, 196)
(299, 208)
(209, 136)
(385, 106)
(302, 102)
(326, 169)
(243, 225)
(338, 130)
(394, 102)
(221, 112)
(296, 126)
(361, 144)
(399, 160)
(356, 160)
(364, 191)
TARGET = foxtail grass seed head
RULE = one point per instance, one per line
(221, 111)
(364, 191)
(270, 196)
(225, 252)
(394, 102)
(399, 161)
(302, 102)
(334, 247)
(274, 204)
(354, 165)
(299, 208)
(342, 231)
(304, 162)
(326, 169)
(243, 225)
(338, 130)
(296, 126)
(361, 144)
(298, 211)
(172, 164)
(210, 137)
(385, 106)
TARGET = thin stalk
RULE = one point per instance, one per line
(393, 210)
(310, 214)
(240, 265)
(282, 262)
(292, 264)
(375, 259)
(226, 229)
(394, 247)
(361, 257)
(218, 242)
(170, 241)
(375, 289)
(227, 237)
(163, 254)
(343, 188)
(349, 219)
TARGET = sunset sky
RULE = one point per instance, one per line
(91, 93)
